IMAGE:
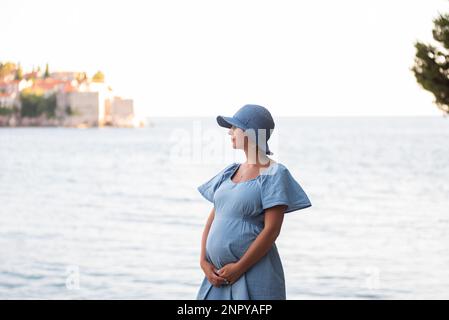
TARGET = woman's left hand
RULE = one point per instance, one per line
(231, 272)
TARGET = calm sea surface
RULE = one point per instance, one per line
(115, 214)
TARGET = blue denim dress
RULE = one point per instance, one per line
(239, 218)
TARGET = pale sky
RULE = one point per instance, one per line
(206, 57)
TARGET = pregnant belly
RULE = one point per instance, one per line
(228, 240)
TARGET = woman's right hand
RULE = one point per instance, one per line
(211, 274)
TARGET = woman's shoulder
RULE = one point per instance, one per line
(280, 187)
(275, 168)
(276, 174)
(229, 168)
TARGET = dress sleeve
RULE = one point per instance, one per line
(208, 188)
(281, 188)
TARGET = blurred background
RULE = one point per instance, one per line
(107, 127)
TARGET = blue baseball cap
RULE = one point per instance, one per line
(251, 116)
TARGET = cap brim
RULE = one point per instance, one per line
(228, 122)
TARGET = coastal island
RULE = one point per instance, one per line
(61, 99)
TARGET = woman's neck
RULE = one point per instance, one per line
(256, 158)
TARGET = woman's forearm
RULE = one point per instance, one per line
(260, 246)
(209, 221)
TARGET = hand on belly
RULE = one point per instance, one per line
(225, 246)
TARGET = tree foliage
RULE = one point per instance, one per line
(34, 105)
(431, 67)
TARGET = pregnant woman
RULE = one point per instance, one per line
(239, 256)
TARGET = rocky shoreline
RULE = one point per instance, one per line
(43, 121)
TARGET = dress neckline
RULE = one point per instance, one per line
(238, 166)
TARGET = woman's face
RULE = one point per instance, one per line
(238, 138)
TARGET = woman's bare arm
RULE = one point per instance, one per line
(209, 221)
(273, 221)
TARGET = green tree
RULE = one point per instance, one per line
(431, 67)
(46, 73)
(34, 105)
(98, 77)
(4, 111)
(19, 72)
